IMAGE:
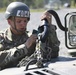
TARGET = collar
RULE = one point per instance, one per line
(9, 34)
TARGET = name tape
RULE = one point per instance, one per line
(22, 13)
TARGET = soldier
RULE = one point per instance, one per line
(50, 48)
(15, 44)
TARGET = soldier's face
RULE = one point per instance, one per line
(19, 24)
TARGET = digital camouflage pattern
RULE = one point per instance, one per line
(12, 48)
(49, 49)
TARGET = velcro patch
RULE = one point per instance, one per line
(22, 13)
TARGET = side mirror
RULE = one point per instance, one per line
(70, 34)
(72, 30)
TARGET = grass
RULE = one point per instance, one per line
(2, 9)
(37, 10)
(31, 10)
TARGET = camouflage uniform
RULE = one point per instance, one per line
(12, 48)
(13, 45)
(50, 49)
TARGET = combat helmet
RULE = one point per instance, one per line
(18, 9)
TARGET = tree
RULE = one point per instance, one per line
(74, 2)
(30, 3)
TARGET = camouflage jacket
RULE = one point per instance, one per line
(12, 47)
(50, 49)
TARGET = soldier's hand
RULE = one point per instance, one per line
(31, 40)
(48, 16)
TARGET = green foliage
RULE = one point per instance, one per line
(30, 3)
(33, 4)
(73, 3)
